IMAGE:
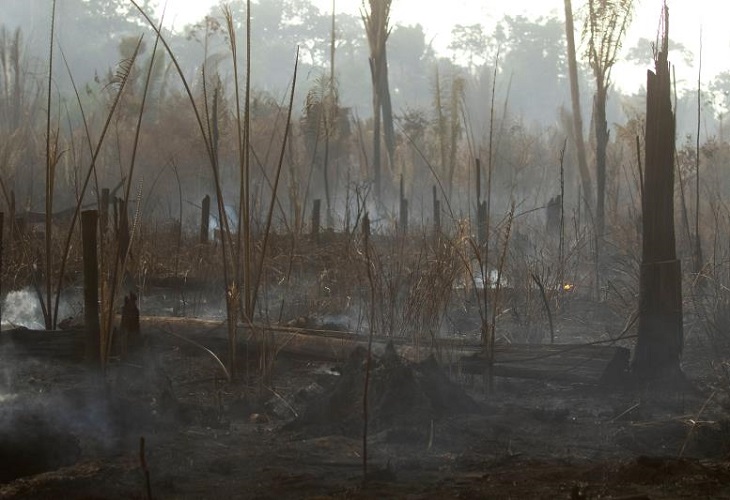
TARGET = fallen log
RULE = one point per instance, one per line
(581, 363)
(319, 345)
(62, 345)
(591, 363)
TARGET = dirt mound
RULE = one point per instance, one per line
(403, 401)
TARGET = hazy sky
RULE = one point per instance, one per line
(686, 18)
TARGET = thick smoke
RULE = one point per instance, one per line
(21, 308)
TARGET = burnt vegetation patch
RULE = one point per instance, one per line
(357, 287)
(405, 399)
(30, 444)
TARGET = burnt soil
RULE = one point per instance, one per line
(166, 424)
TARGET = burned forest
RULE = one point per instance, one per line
(289, 252)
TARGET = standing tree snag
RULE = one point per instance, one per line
(659, 345)
(580, 149)
(376, 21)
(604, 29)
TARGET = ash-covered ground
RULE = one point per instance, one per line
(167, 424)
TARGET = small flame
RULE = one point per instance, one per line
(568, 287)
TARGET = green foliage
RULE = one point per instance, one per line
(643, 52)
(605, 25)
(470, 43)
(535, 63)
(720, 89)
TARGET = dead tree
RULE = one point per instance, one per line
(585, 175)
(660, 340)
(376, 21)
(605, 28)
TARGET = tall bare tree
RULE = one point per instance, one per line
(377, 19)
(605, 27)
(585, 175)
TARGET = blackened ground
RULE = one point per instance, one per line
(296, 434)
(405, 399)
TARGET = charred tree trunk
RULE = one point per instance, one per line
(12, 220)
(129, 326)
(436, 212)
(122, 226)
(205, 220)
(482, 223)
(104, 211)
(481, 207)
(660, 340)
(376, 22)
(403, 208)
(377, 167)
(388, 126)
(316, 219)
(601, 128)
(602, 137)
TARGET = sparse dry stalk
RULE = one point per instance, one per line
(232, 304)
(2, 221)
(51, 161)
(697, 247)
(123, 79)
(246, 194)
(123, 251)
(210, 141)
(495, 303)
(274, 194)
(366, 389)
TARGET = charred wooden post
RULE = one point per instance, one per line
(436, 212)
(104, 214)
(482, 223)
(205, 220)
(660, 338)
(129, 327)
(481, 205)
(17, 222)
(20, 227)
(91, 286)
(404, 215)
(403, 208)
(478, 175)
(11, 219)
(115, 207)
(553, 217)
(316, 219)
